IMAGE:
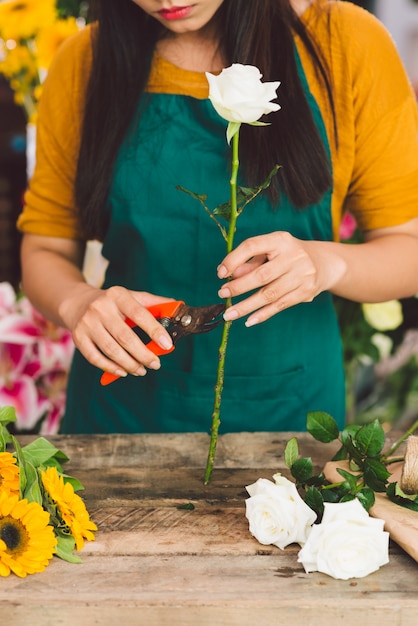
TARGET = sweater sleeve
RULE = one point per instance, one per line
(49, 207)
(383, 189)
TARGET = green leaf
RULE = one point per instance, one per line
(77, 485)
(21, 462)
(65, 549)
(40, 451)
(315, 501)
(340, 455)
(7, 415)
(375, 474)
(405, 502)
(301, 469)
(291, 452)
(402, 494)
(322, 426)
(32, 490)
(349, 478)
(366, 497)
(330, 495)
(370, 438)
(187, 506)
(233, 129)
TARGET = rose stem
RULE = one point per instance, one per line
(227, 325)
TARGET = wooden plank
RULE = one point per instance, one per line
(241, 590)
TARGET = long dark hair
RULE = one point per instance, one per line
(255, 32)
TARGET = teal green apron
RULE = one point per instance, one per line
(162, 241)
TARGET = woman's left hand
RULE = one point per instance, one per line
(282, 269)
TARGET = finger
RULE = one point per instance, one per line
(270, 300)
(249, 266)
(262, 245)
(97, 358)
(260, 276)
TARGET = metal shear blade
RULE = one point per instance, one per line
(195, 320)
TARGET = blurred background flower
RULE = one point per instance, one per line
(31, 31)
(380, 344)
(35, 357)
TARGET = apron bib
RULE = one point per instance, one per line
(162, 241)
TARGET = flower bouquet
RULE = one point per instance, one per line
(40, 513)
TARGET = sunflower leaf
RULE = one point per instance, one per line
(40, 451)
(65, 549)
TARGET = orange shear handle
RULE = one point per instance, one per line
(159, 311)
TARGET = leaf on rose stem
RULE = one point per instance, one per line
(366, 497)
(301, 469)
(233, 129)
(349, 478)
(375, 474)
(340, 455)
(370, 438)
(322, 426)
(313, 498)
(291, 452)
(397, 499)
(349, 445)
(330, 496)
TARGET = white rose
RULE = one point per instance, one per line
(383, 315)
(347, 544)
(276, 513)
(238, 94)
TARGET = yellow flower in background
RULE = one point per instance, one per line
(383, 315)
(70, 506)
(51, 37)
(21, 19)
(9, 474)
(27, 542)
(30, 35)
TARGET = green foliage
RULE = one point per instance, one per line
(367, 465)
(32, 460)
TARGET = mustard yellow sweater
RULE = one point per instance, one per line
(374, 160)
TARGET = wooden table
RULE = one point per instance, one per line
(154, 563)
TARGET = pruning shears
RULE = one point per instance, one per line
(179, 320)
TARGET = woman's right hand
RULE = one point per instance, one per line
(52, 279)
(96, 319)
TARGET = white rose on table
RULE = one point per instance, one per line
(239, 96)
(347, 544)
(276, 513)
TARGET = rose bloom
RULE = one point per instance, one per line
(238, 94)
(277, 514)
(347, 544)
(383, 315)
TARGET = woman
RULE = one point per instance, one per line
(117, 145)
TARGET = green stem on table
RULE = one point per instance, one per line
(227, 325)
(405, 436)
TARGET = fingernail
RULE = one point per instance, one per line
(252, 321)
(121, 373)
(165, 342)
(141, 371)
(230, 314)
(224, 292)
(222, 271)
(155, 365)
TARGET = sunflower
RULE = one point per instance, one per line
(27, 542)
(70, 506)
(9, 474)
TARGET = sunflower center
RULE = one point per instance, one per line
(14, 534)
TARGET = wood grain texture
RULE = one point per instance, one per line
(154, 563)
